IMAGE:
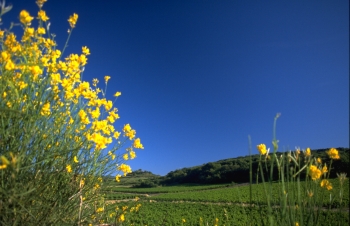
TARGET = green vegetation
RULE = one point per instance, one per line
(166, 189)
(231, 170)
(233, 194)
(169, 214)
(230, 204)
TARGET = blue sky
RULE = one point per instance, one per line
(198, 77)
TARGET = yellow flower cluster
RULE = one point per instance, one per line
(333, 153)
(314, 172)
(125, 169)
(262, 149)
(128, 132)
(34, 71)
(73, 20)
(67, 88)
(69, 168)
(121, 218)
(25, 18)
(117, 178)
(325, 183)
(307, 152)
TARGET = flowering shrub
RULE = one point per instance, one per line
(54, 129)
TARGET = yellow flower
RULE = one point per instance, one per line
(121, 218)
(333, 153)
(117, 178)
(132, 155)
(9, 65)
(73, 20)
(96, 186)
(36, 71)
(46, 109)
(42, 15)
(76, 159)
(324, 169)
(117, 94)
(40, 3)
(107, 78)
(130, 134)
(114, 114)
(29, 31)
(41, 31)
(108, 105)
(128, 131)
(296, 224)
(327, 184)
(5, 55)
(24, 17)
(125, 169)
(3, 166)
(69, 168)
(126, 128)
(86, 50)
(262, 149)
(125, 156)
(307, 152)
(94, 81)
(96, 113)
(116, 135)
(314, 172)
(183, 220)
(22, 85)
(99, 210)
(83, 116)
(319, 161)
(137, 143)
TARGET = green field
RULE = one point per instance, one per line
(199, 205)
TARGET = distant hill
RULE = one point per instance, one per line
(136, 178)
(237, 169)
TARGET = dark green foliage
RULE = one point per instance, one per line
(145, 184)
(234, 169)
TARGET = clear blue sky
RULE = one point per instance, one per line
(198, 77)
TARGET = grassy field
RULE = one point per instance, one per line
(227, 204)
